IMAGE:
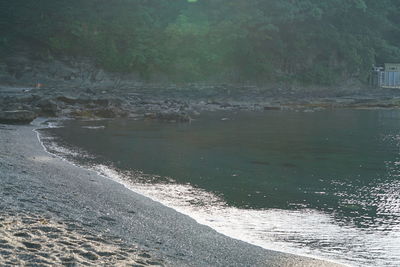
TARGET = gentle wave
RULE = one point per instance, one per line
(304, 232)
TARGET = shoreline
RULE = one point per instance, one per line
(104, 206)
(139, 188)
(180, 105)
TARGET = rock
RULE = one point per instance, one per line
(17, 117)
(47, 108)
(103, 102)
(111, 112)
(272, 108)
(170, 116)
(107, 113)
(68, 100)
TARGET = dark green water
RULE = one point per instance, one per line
(344, 164)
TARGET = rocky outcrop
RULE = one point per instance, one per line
(47, 107)
(24, 70)
(106, 113)
(77, 89)
(17, 116)
(169, 116)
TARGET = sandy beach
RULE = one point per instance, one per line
(55, 213)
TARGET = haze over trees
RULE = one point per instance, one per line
(308, 41)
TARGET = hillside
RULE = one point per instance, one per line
(305, 41)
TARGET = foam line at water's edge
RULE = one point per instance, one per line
(213, 205)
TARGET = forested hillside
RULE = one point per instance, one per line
(308, 41)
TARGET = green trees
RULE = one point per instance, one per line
(309, 41)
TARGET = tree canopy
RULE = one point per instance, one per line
(310, 41)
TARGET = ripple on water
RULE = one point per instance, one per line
(322, 184)
(305, 231)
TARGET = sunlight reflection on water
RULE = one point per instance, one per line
(304, 232)
(325, 186)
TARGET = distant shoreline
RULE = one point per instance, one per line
(180, 104)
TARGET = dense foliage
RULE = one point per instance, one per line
(311, 41)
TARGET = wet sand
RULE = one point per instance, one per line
(55, 213)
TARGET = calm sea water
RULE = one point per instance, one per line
(324, 184)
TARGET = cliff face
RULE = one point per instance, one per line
(21, 70)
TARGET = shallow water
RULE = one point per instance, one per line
(322, 184)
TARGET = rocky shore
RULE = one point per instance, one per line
(172, 104)
(77, 89)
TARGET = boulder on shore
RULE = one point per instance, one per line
(47, 107)
(169, 116)
(17, 116)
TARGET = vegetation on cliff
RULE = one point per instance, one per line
(309, 41)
